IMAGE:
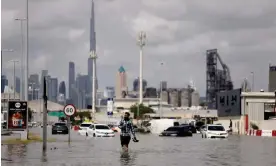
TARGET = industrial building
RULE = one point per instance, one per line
(247, 108)
(184, 97)
(216, 79)
(272, 78)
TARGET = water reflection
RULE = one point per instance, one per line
(153, 151)
(14, 152)
(128, 158)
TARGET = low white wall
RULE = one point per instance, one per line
(237, 123)
(267, 125)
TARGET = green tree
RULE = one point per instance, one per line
(142, 110)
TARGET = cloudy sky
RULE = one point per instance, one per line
(178, 33)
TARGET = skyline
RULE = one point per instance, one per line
(179, 39)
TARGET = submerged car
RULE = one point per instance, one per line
(82, 129)
(178, 131)
(100, 130)
(191, 127)
(60, 128)
(214, 131)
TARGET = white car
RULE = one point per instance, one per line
(83, 128)
(214, 131)
(100, 130)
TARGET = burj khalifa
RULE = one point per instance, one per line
(92, 48)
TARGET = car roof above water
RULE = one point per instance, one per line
(59, 124)
(214, 125)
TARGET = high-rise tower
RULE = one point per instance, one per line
(92, 48)
(121, 83)
(71, 80)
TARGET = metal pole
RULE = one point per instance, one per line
(69, 128)
(252, 81)
(161, 87)
(14, 80)
(141, 43)
(141, 77)
(27, 60)
(32, 91)
(44, 146)
(161, 95)
(22, 63)
(2, 63)
(22, 57)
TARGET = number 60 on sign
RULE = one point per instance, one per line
(69, 110)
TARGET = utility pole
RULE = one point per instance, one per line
(14, 78)
(45, 98)
(141, 42)
(27, 53)
(253, 80)
(22, 57)
(161, 95)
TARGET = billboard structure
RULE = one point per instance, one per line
(229, 103)
(17, 115)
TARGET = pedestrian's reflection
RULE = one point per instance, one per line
(127, 158)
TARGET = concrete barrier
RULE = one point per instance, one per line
(263, 133)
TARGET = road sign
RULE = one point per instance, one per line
(69, 110)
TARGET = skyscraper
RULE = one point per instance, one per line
(62, 93)
(4, 82)
(136, 84)
(82, 86)
(62, 88)
(54, 89)
(163, 85)
(44, 73)
(272, 78)
(71, 77)
(121, 83)
(92, 48)
(34, 78)
(17, 85)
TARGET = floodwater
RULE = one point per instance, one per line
(150, 151)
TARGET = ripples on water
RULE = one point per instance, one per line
(150, 151)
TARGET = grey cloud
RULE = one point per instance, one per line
(179, 32)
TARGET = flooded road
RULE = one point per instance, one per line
(150, 151)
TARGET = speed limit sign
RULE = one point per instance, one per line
(69, 110)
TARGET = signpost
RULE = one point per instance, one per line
(69, 110)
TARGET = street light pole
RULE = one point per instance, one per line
(14, 79)
(252, 73)
(27, 52)
(161, 95)
(93, 55)
(22, 57)
(141, 42)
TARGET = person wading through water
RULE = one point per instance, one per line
(127, 129)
